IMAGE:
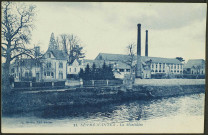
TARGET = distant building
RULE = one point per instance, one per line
(150, 65)
(25, 70)
(195, 66)
(119, 68)
(51, 66)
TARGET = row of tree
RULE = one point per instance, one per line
(94, 73)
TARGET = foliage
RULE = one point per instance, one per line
(180, 59)
(17, 23)
(94, 73)
(71, 45)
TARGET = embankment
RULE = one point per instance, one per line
(27, 101)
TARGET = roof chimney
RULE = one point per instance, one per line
(146, 44)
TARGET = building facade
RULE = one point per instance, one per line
(195, 66)
(150, 65)
(51, 66)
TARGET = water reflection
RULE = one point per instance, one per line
(129, 111)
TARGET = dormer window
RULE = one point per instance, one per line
(49, 55)
(100, 57)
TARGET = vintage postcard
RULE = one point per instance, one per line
(103, 67)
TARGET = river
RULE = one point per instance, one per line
(182, 114)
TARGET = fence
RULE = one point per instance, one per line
(185, 76)
(33, 85)
(98, 83)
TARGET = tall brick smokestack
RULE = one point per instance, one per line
(139, 40)
(146, 44)
(139, 68)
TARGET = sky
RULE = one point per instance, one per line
(174, 29)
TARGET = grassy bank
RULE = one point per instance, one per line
(165, 82)
(22, 102)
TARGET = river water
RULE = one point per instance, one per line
(182, 114)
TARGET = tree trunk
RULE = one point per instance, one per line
(6, 82)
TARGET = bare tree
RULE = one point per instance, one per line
(72, 47)
(131, 50)
(16, 32)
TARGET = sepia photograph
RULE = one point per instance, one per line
(103, 67)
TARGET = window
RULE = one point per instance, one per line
(178, 66)
(178, 71)
(48, 73)
(163, 70)
(69, 69)
(60, 75)
(30, 74)
(45, 73)
(60, 65)
(174, 66)
(49, 55)
(49, 65)
(26, 74)
(163, 66)
(52, 74)
(127, 70)
(75, 70)
(155, 70)
(160, 66)
(121, 70)
(156, 65)
(159, 70)
(152, 66)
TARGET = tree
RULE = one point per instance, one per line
(17, 23)
(81, 73)
(180, 59)
(87, 73)
(94, 72)
(131, 50)
(72, 47)
(109, 73)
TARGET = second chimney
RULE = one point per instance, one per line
(146, 44)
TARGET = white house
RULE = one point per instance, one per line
(52, 66)
(195, 66)
(119, 68)
(25, 70)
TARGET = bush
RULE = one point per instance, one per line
(60, 83)
(73, 76)
(21, 84)
(158, 76)
(42, 84)
(195, 76)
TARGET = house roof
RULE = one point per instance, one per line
(195, 62)
(26, 62)
(99, 63)
(122, 57)
(58, 54)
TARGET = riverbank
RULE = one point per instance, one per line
(165, 82)
(26, 101)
